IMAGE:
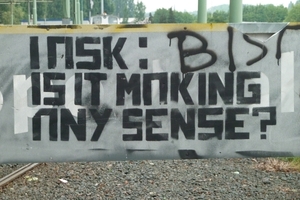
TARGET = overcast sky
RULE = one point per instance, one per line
(191, 5)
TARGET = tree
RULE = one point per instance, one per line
(42, 11)
(108, 7)
(290, 6)
(54, 10)
(3, 8)
(125, 15)
(218, 17)
(160, 16)
(139, 11)
(150, 18)
(275, 13)
(184, 17)
(122, 6)
(171, 16)
(163, 15)
(18, 14)
(294, 14)
(131, 7)
(264, 13)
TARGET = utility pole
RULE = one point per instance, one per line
(236, 11)
(34, 11)
(90, 10)
(12, 13)
(202, 11)
(67, 15)
(29, 13)
(74, 11)
(78, 11)
(81, 11)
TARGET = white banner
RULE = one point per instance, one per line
(90, 93)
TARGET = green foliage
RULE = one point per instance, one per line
(3, 8)
(294, 14)
(295, 162)
(150, 17)
(139, 11)
(275, 13)
(127, 8)
(124, 8)
(223, 7)
(290, 6)
(125, 15)
(218, 17)
(163, 15)
(171, 16)
(185, 17)
(258, 13)
(42, 12)
(264, 13)
(160, 16)
(108, 7)
(6, 14)
(54, 10)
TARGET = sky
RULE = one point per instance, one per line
(192, 5)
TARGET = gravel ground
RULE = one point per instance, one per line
(9, 168)
(179, 179)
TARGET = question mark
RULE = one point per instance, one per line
(265, 123)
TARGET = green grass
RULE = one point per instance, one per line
(294, 162)
(279, 164)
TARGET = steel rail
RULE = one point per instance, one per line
(19, 172)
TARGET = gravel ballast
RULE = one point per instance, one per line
(173, 179)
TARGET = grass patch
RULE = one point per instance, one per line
(294, 162)
(278, 164)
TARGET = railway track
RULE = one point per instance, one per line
(17, 173)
